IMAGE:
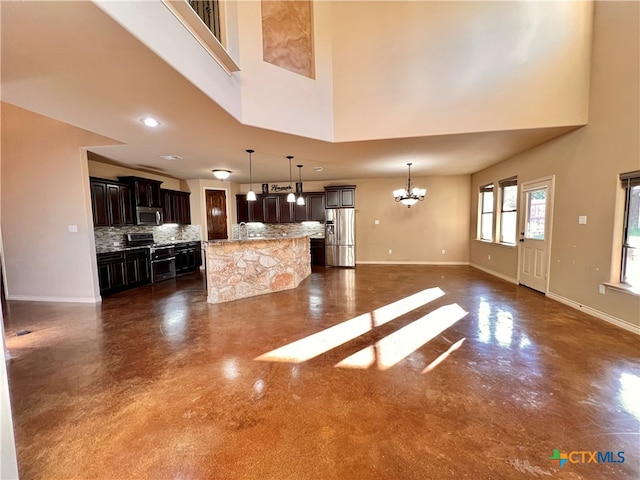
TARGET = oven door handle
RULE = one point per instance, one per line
(167, 259)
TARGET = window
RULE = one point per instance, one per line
(485, 227)
(508, 211)
(630, 272)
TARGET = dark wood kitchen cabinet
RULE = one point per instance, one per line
(342, 196)
(188, 257)
(317, 252)
(274, 208)
(146, 192)
(176, 207)
(138, 267)
(249, 211)
(286, 210)
(315, 206)
(111, 203)
(271, 208)
(112, 273)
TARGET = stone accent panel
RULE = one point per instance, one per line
(287, 35)
(240, 269)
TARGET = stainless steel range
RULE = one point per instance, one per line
(162, 257)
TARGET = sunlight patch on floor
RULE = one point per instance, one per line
(332, 337)
(397, 346)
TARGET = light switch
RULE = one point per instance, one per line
(582, 219)
(73, 228)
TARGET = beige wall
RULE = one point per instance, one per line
(586, 164)
(491, 59)
(417, 234)
(45, 188)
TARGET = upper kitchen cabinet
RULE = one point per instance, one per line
(315, 206)
(176, 207)
(111, 203)
(146, 192)
(271, 208)
(249, 211)
(274, 208)
(342, 196)
(312, 210)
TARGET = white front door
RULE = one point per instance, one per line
(537, 199)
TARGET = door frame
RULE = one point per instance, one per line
(204, 227)
(551, 180)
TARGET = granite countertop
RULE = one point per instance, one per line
(124, 248)
(253, 239)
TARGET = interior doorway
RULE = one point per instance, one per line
(216, 205)
(535, 233)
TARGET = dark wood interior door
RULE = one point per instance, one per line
(216, 214)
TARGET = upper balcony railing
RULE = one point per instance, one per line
(204, 20)
(209, 13)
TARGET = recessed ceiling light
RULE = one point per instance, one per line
(172, 157)
(150, 122)
(318, 169)
(221, 174)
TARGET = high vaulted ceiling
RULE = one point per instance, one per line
(71, 62)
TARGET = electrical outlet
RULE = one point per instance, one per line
(116, 244)
(390, 251)
(601, 289)
(376, 222)
(488, 257)
(443, 251)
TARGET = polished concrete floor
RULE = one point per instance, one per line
(382, 372)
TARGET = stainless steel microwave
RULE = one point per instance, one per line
(148, 216)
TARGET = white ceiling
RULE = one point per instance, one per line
(71, 62)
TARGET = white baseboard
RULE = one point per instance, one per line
(495, 274)
(36, 298)
(374, 262)
(596, 313)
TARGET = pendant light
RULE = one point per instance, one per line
(251, 195)
(410, 195)
(300, 200)
(291, 198)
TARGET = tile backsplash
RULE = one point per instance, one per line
(107, 236)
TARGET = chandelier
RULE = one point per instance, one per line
(410, 195)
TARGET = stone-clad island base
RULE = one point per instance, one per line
(245, 268)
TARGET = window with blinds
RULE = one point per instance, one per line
(630, 271)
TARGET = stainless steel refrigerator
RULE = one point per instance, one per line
(339, 237)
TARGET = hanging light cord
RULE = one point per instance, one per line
(250, 172)
(290, 177)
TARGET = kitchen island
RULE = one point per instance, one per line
(245, 268)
